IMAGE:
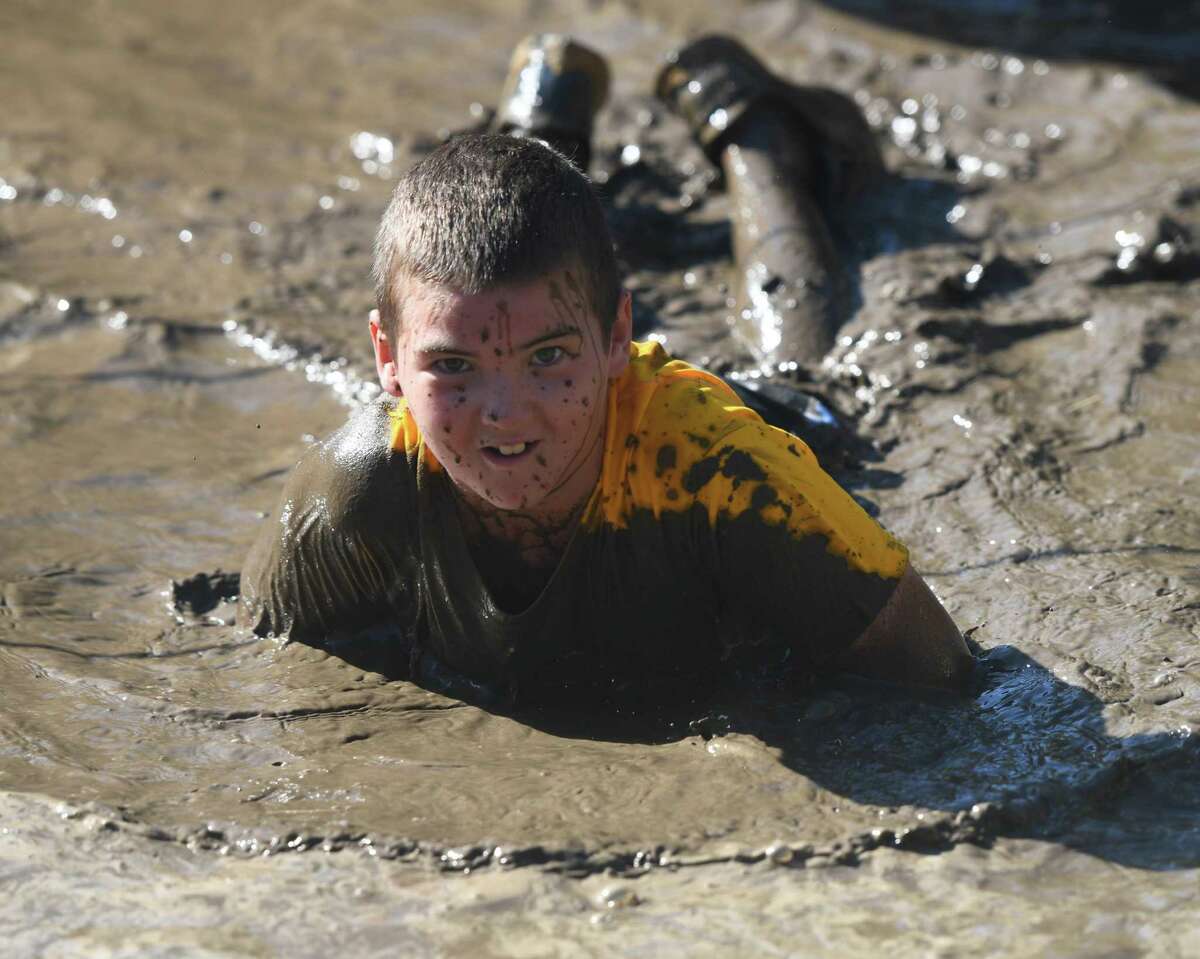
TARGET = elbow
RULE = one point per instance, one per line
(957, 672)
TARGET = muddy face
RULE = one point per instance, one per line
(508, 388)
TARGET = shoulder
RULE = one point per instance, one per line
(663, 415)
(764, 476)
(681, 440)
(668, 422)
(345, 473)
(657, 386)
(332, 553)
(366, 436)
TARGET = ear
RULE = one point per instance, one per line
(385, 356)
(621, 336)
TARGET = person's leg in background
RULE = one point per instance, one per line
(554, 88)
(789, 155)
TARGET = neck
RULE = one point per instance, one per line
(539, 537)
(540, 531)
(515, 553)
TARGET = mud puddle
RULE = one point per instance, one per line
(126, 684)
(184, 241)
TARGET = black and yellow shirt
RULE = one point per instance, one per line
(710, 536)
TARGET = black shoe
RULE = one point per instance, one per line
(714, 82)
(554, 88)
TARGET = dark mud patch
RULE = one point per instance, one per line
(918, 762)
(987, 338)
(204, 592)
(980, 281)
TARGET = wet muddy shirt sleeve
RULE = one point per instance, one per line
(333, 555)
(785, 554)
(798, 561)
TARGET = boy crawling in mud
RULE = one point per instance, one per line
(540, 508)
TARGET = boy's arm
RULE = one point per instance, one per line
(912, 640)
(836, 581)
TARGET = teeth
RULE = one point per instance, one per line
(511, 450)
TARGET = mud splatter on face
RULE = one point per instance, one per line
(570, 306)
(529, 353)
(504, 325)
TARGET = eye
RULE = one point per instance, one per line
(450, 365)
(548, 355)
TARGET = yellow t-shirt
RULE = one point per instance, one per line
(678, 437)
(711, 540)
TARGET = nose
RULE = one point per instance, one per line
(500, 399)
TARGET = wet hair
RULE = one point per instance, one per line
(484, 210)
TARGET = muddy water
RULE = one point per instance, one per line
(186, 210)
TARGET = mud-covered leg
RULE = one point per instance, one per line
(791, 154)
(792, 292)
(554, 87)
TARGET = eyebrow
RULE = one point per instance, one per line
(449, 346)
(565, 329)
(443, 346)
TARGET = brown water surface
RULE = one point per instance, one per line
(187, 200)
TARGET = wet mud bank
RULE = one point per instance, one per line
(183, 255)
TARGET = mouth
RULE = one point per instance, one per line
(508, 454)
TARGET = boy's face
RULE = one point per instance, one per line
(509, 386)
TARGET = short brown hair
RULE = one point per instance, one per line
(484, 210)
